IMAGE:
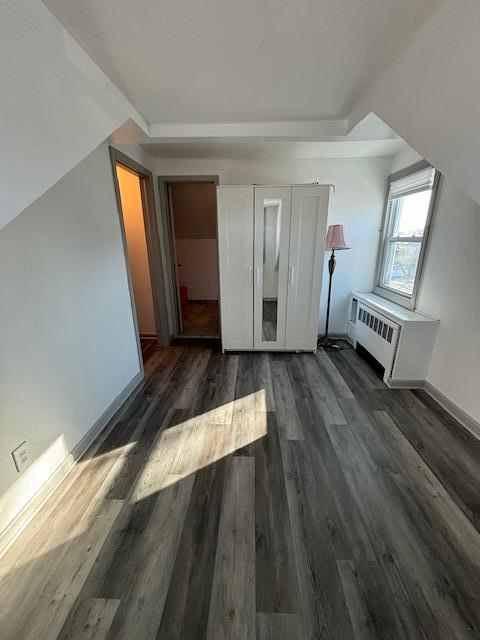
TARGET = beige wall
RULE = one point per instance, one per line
(132, 208)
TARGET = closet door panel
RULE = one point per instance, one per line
(235, 248)
(272, 229)
(307, 251)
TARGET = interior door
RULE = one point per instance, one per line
(272, 229)
(307, 252)
(235, 248)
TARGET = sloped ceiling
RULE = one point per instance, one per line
(430, 95)
(56, 104)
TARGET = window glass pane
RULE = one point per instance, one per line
(401, 265)
(406, 219)
(411, 213)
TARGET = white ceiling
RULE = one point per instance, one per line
(180, 61)
(276, 150)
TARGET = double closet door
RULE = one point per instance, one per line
(271, 248)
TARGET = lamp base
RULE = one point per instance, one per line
(328, 343)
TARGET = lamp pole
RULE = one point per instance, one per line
(331, 268)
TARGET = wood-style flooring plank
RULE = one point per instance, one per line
(370, 379)
(258, 496)
(216, 391)
(279, 626)
(370, 602)
(188, 600)
(339, 386)
(41, 611)
(444, 526)
(288, 421)
(321, 392)
(232, 605)
(92, 621)
(441, 450)
(375, 485)
(323, 607)
(187, 392)
(253, 398)
(142, 555)
(274, 568)
(141, 576)
(343, 518)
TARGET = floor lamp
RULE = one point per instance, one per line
(335, 242)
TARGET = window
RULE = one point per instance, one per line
(408, 212)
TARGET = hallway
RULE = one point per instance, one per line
(258, 496)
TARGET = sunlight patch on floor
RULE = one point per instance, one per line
(195, 443)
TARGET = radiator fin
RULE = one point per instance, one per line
(377, 325)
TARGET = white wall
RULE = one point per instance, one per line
(450, 291)
(67, 340)
(357, 203)
(430, 94)
(56, 105)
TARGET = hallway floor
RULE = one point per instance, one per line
(201, 319)
(279, 496)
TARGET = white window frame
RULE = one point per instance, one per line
(402, 298)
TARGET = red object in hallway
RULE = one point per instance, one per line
(183, 296)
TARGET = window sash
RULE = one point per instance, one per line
(427, 178)
(406, 238)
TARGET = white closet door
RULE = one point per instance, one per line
(307, 252)
(235, 248)
(272, 229)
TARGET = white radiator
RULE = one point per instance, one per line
(378, 335)
(400, 339)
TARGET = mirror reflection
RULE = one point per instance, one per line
(272, 211)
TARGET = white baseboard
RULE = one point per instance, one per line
(405, 384)
(454, 410)
(11, 532)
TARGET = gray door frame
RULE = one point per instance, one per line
(167, 222)
(152, 235)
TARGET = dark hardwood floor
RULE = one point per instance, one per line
(279, 496)
(148, 345)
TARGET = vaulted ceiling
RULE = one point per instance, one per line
(297, 78)
(179, 61)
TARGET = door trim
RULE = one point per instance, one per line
(152, 235)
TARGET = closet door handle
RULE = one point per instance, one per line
(250, 275)
(291, 275)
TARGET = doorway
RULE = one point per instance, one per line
(134, 189)
(191, 205)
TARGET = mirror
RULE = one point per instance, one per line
(272, 219)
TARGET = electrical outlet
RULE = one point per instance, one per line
(21, 456)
